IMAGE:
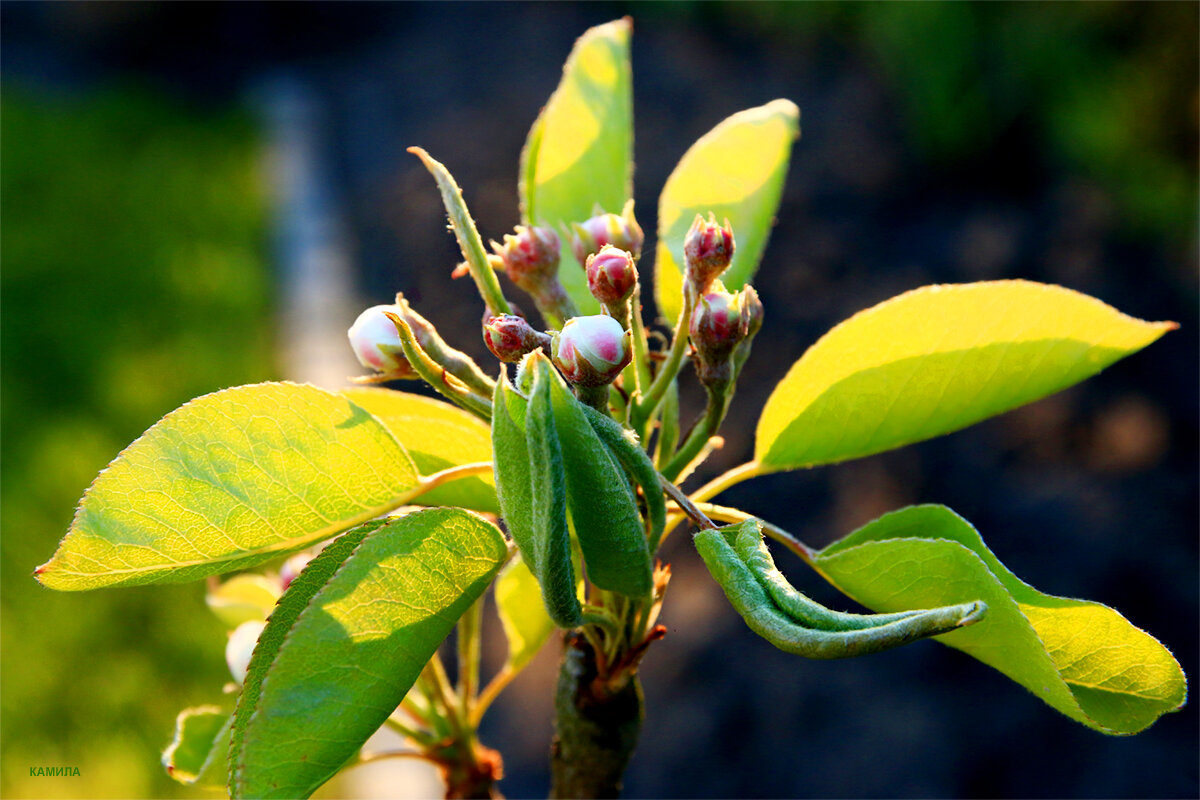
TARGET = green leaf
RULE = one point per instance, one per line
(197, 755)
(229, 480)
(1082, 658)
(512, 469)
(551, 535)
(935, 360)
(333, 663)
(601, 502)
(623, 444)
(437, 435)
(776, 611)
(523, 615)
(580, 150)
(736, 171)
(243, 598)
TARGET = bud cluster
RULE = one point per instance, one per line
(621, 231)
(530, 257)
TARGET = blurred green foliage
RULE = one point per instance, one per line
(134, 278)
(1108, 89)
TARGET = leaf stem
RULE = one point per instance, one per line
(468, 236)
(726, 514)
(430, 482)
(705, 429)
(681, 499)
(641, 355)
(495, 686)
(725, 480)
(469, 633)
(670, 368)
(422, 738)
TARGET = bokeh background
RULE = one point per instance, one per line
(200, 195)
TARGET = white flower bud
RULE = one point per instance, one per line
(375, 340)
(240, 647)
(592, 351)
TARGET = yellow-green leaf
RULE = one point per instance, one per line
(935, 360)
(736, 171)
(437, 435)
(579, 152)
(523, 615)
(244, 598)
(230, 480)
(1082, 658)
(199, 752)
(347, 642)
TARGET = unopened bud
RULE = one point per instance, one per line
(530, 257)
(510, 337)
(592, 351)
(611, 275)
(375, 341)
(240, 647)
(752, 313)
(620, 231)
(717, 325)
(292, 568)
(707, 249)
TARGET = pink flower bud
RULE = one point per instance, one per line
(708, 249)
(510, 337)
(718, 325)
(592, 351)
(241, 646)
(530, 257)
(611, 275)
(375, 340)
(621, 231)
(292, 568)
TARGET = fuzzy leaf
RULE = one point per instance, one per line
(736, 171)
(437, 435)
(601, 502)
(935, 360)
(1082, 658)
(328, 676)
(523, 615)
(579, 152)
(197, 755)
(229, 480)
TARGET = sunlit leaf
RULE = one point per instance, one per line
(334, 663)
(935, 360)
(580, 150)
(198, 754)
(523, 615)
(735, 171)
(229, 480)
(243, 598)
(437, 435)
(1082, 658)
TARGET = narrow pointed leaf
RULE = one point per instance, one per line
(341, 665)
(1082, 658)
(229, 480)
(523, 615)
(551, 535)
(634, 459)
(735, 171)
(197, 755)
(513, 478)
(935, 360)
(601, 502)
(753, 587)
(580, 150)
(437, 435)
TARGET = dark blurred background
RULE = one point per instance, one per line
(169, 170)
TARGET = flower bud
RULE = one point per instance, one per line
(592, 351)
(621, 231)
(375, 341)
(240, 647)
(530, 257)
(708, 249)
(611, 275)
(717, 325)
(752, 313)
(510, 337)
